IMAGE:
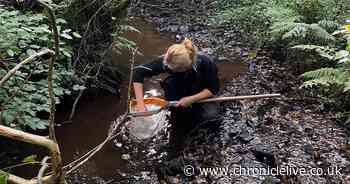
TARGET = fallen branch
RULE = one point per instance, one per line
(18, 180)
(19, 65)
(32, 139)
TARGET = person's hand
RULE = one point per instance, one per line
(141, 107)
(185, 102)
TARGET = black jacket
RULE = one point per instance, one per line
(204, 75)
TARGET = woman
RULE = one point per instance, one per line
(192, 77)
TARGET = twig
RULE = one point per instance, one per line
(78, 97)
(132, 62)
(18, 165)
(159, 6)
(43, 169)
(86, 31)
(88, 5)
(19, 65)
(96, 149)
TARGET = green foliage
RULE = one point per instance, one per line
(246, 16)
(301, 33)
(336, 78)
(329, 26)
(310, 10)
(3, 177)
(24, 97)
(283, 23)
(331, 84)
(120, 42)
(30, 159)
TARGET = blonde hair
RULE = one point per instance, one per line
(181, 57)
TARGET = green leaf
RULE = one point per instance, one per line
(67, 36)
(3, 177)
(35, 46)
(29, 88)
(44, 38)
(78, 87)
(344, 60)
(60, 20)
(8, 116)
(66, 30)
(10, 52)
(77, 35)
(346, 86)
(66, 54)
(30, 159)
(30, 52)
(341, 54)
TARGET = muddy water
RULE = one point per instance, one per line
(93, 116)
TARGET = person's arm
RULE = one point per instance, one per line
(187, 101)
(210, 80)
(138, 90)
(140, 73)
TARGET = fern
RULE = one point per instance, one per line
(329, 26)
(346, 86)
(327, 73)
(301, 32)
(328, 77)
(280, 13)
(340, 57)
(325, 52)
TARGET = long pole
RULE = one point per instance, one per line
(232, 98)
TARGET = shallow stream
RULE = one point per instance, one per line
(93, 116)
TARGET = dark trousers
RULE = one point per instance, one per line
(185, 120)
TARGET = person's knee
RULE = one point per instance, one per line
(210, 111)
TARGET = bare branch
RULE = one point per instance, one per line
(19, 65)
(132, 63)
(79, 95)
(18, 180)
(29, 138)
(43, 169)
(32, 139)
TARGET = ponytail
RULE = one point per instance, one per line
(192, 50)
